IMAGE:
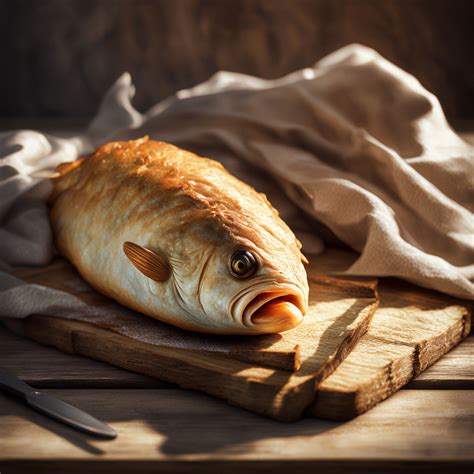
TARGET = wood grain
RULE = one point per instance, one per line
(85, 46)
(164, 430)
(46, 367)
(411, 329)
(453, 371)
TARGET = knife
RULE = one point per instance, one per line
(53, 407)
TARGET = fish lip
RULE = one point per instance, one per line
(243, 309)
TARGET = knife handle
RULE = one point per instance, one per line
(11, 383)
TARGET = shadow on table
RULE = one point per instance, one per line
(195, 423)
(244, 428)
(189, 423)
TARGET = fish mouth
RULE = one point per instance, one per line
(274, 310)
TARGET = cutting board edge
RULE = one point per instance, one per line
(74, 337)
(345, 405)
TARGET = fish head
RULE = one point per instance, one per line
(254, 280)
(252, 290)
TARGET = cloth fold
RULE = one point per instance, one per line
(354, 146)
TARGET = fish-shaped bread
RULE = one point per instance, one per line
(176, 237)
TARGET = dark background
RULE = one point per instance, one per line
(59, 56)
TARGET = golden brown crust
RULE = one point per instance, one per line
(144, 166)
(150, 192)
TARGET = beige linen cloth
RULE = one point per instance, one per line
(353, 148)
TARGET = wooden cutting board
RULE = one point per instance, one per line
(339, 314)
(332, 302)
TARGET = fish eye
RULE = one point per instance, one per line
(243, 264)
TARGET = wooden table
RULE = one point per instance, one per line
(426, 427)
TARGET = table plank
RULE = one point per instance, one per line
(45, 367)
(42, 366)
(177, 428)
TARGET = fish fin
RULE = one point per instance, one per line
(152, 264)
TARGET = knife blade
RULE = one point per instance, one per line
(53, 407)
